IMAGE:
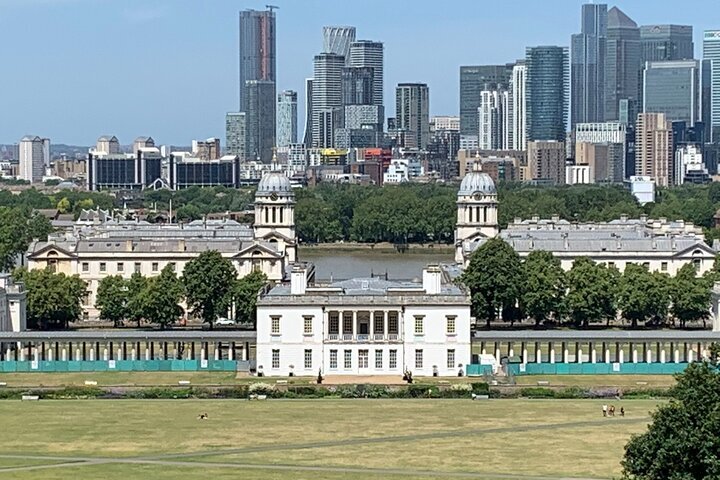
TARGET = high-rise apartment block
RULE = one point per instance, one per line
(672, 88)
(337, 40)
(588, 65)
(287, 118)
(546, 161)
(494, 120)
(622, 65)
(357, 86)
(326, 98)
(260, 120)
(412, 113)
(473, 80)
(370, 54)
(654, 148)
(518, 100)
(308, 135)
(711, 57)
(547, 93)
(34, 157)
(235, 128)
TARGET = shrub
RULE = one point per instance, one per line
(480, 388)
(537, 392)
(420, 391)
(260, 388)
(71, 393)
(461, 387)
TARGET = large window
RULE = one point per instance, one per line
(419, 325)
(307, 325)
(308, 359)
(276, 359)
(333, 359)
(334, 320)
(378, 359)
(120, 267)
(418, 359)
(450, 321)
(85, 267)
(155, 266)
(103, 267)
(347, 322)
(138, 267)
(348, 359)
(392, 363)
(451, 358)
(275, 325)
(393, 323)
(363, 358)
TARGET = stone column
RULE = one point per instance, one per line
(662, 355)
(147, 352)
(511, 352)
(648, 353)
(105, 354)
(217, 350)
(231, 351)
(551, 346)
(565, 353)
(676, 353)
(523, 345)
(620, 354)
(634, 353)
(578, 352)
(497, 351)
(593, 353)
(372, 326)
(538, 353)
(606, 353)
(50, 355)
(92, 353)
(64, 354)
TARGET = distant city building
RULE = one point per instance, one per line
(518, 99)
(123, 171)
(445, 123)
(579, 174)
(588, 49)
(337, 40)
(287, 118)
(403, 170)
(142, 142)
(546, 161)
(711, 56)
(326, 98)
(13, 305)
(308, 135)
(614, 137)
(643, 189)
(357, 86)
(604, 160)
(206, 149)
(622, 64)
(473, 80)
(260, 120)
(108, 144)
(689, 165)
(666, 42)
(187, 171)
(364, 116)
(34, 157)
(235, 134)
(547, 93)
(494, 120)
(370, 54)
(654, 148)
(672, 88)
(412, 112)
(257, 49)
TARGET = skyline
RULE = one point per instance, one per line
(169, 69)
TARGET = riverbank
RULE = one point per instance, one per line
(383, 247)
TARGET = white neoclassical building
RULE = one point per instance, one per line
(364, 326)
(112, 247)
(477, 206)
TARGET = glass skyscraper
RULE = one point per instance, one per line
(287, 118)
(672, 88)
(666, 42)
(711, 57)
(337, 40)
(260, 120)
(370, 54)
(547, 92)
(588, 65)
(622, 63)
(235, 134)
(473, 80)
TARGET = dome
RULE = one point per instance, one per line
(475, 182)
(274, 183)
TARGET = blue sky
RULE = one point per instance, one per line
(75, 69)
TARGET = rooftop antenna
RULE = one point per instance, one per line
(272, 7)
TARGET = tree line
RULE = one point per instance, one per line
(502, 286)
(209, 287)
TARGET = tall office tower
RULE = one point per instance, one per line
(473, 80)
(493, 120)
(307, 137)
(546, 161)
(654, 148)
(547, 92)
(108, 144)
(672, 88)
(337, 40)
(34, 156)
(235, 135)
(612, 135)
(622, 63)
(711, 57)
(666, 42)
(260, 120)
(588, 66)
(366, 53)
(412, 113)
(357, 86)
(518, 99)
(326, 95)
(287, 118)
(257, 49)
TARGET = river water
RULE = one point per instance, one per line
(341, 265)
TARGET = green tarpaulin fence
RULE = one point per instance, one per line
(584, 369)
(119, 366)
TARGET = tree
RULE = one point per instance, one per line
(63, 205)
(493, 277)
(591, 292)
(13, 236)
(543, 283)
(245, 295)
(683, 440)
(112, 299)
(642, 295)
(136, 286)
(53, 299)
(161, 297)
(209, 281)
(690, 296)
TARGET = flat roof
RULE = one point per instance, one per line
(129, 335)
(597, 335)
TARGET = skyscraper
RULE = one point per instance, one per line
(260, 120)
(546, 161)
(337, 40)
(369, 54)
(711, 57)
(493, 120)
(672, 88)
(235, 134)
(34, 156)
(518, 98)
(357, 86)
(257, 48)
(473, 80)
(654, 148)
(326, 97)
(412, 113)
(287, 118)
(666, 42)
(547, 92)
(307, 137)
(588, 65)
(622, 63)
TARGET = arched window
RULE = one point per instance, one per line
(52, 260)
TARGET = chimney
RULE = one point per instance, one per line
(181, 245)
(432, 279)
(298, 281)
(128, 245)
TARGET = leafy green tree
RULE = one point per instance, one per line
(591, 292)
(643, 296)
(112, 299)
(63, 205)
(683, 440)
(690, 296)
(38, 227)
(245, 296)
(493, 277)
(13, 236)
(136, 286)
(209, 281)
(161, 297)
(543, 286)
(53, 299)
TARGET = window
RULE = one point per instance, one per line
(611, 264)
(646, 265)
(347, 322)
(173, 266)
(392, 364)
(276, 359)
(334, 323)
(333, 359)
(275, 325)
(85, 267)
(663, 266)
(419, 325)
(348, 359)
(451, 358)
(697, 262)
(138, 267)
(418, 359)
(308, 359)
(155, 266)
(450, 320)
(307, 325)
(393, 323)
(120, 267)
(103, 267)
(363, 358)
(378, 359)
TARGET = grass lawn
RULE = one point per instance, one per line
(318, 439)
(633, 381)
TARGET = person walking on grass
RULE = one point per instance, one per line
(605, 410)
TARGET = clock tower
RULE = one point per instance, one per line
(477, 208)
(275, 213)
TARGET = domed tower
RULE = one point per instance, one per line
(275, 213)
(476, 210)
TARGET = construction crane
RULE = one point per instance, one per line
(271, 7)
